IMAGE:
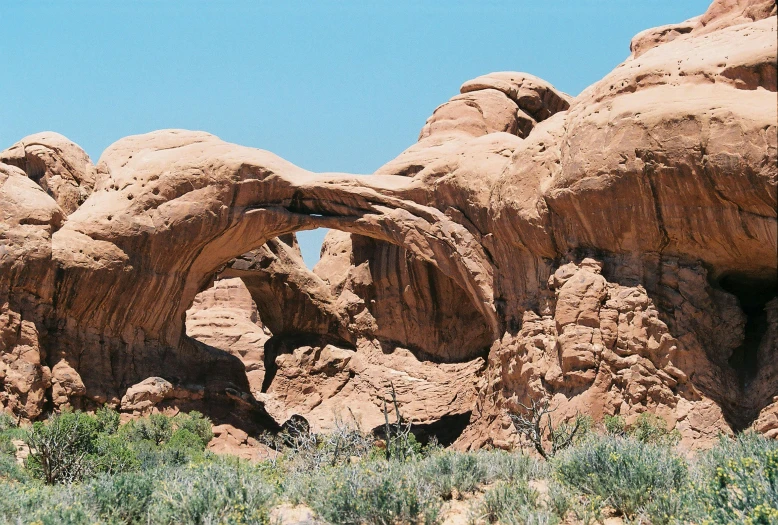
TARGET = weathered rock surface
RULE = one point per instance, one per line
(616, 252)
(58, 165)
(224, 316)
(228, 439)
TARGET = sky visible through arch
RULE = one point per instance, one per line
(331, 86)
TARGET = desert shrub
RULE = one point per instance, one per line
(61, 448)
(113, 454)
(535, 425)
(10, 470)
(737, 481)
(615, 425)
(346, 442)
(375, 492)
(672, 507)
(650, 428)
(156, 428)
(122, 498)
(151, 456)
(403, 445)
(7, 421)
(156, 470)
(182, 448)
(73, 445)
(647, 428)
(623, 472)
(221, 491)
(305, 450)
(9, 430)
(108, 420)
(448, 471)
(7, 448)
(379, 491)
(513, 503)
(508, 466)
(45, 504)
(560, 499)
(195, 423)
(185, 439)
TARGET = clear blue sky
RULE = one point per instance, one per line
(331, 86)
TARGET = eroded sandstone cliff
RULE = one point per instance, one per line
(615, 251)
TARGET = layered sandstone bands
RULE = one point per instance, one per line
(615, 251)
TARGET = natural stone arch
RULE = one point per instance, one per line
(129, 265)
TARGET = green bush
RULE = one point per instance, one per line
(448, 471)
(114, 454)
(183, 447)
(650, 428)
(48, 505)
(123, 498)
(624, 472)
(737, 481)
(508, 466)
(156, 428)
(185, 439)
(61, 448)
(379, 491)
(157, 470)
(647, 428)
(73, 445)
(222, 491)
(195, 423)
(151, 456)
(615, 425)
(376, 492)
(108, 420)
(7, 422)
(560, 499)
(9, 431)
(7, 448)
(10, 470)
(514, 503)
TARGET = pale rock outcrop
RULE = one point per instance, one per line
(334, 260)
(147, 395)
(28, 217)
(228, 439)
(225, 317)
(767, 422)
(290, 298)
(327, 383)
(59, 166)
(67, 388)
(603, 351)
(313, 373)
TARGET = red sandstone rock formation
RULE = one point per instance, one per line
(616, 252)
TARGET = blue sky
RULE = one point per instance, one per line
(331, 86)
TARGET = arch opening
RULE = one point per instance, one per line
(310, 242)
(366, 297)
